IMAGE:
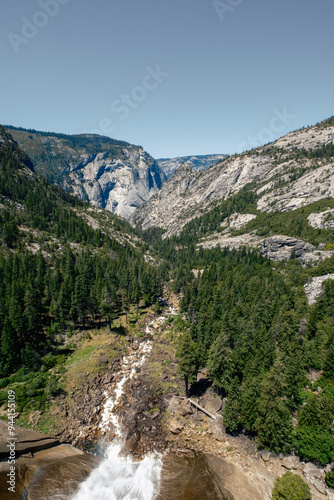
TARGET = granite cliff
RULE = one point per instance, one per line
(109, 174)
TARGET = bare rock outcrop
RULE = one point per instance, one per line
(313, 288)
(25, 441)
(284, 247)
(322, 220)
(188, 193)
(107, 173)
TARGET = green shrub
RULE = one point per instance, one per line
(291, 487)
(49, 360)
(318, 412)
(4, 382)
(314, 443)
(330, 479)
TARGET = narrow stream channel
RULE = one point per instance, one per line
(117, 477)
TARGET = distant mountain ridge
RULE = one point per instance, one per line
(286, 175)
(198, 162)
(107, 173)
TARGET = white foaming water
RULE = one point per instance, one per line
(110, 419)
(117, 478)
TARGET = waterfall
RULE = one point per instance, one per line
(117, 477)
(134, 361)
(120, 479)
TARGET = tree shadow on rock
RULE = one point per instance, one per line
(197, 389)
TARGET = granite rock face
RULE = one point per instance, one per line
(25, 440)
(283, 175)
(187, 193)
(313, 288)
(118, 185)
(322, 220)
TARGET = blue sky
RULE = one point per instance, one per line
(179, 77)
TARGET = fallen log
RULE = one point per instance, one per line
(202, 409)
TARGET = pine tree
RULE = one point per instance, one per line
(9, 348)
(231, 416)
(220, 361)
(188, 355)
(125, 303)
(249, 396)
(31, 315)
(109, 304)
(274, 422)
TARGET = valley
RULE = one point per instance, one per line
(209, 284)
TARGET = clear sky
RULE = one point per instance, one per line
(179, 77)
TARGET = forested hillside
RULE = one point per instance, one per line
(62, 264)
(266, 350)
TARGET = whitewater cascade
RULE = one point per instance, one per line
(117, 477)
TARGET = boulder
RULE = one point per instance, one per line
(103, 360)
(132, 442)
(175, 426)
(216, 404)
(284, 247)
(311, 470)
(290, 463)
(108, 378)
(185, 408)
(154, 414)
